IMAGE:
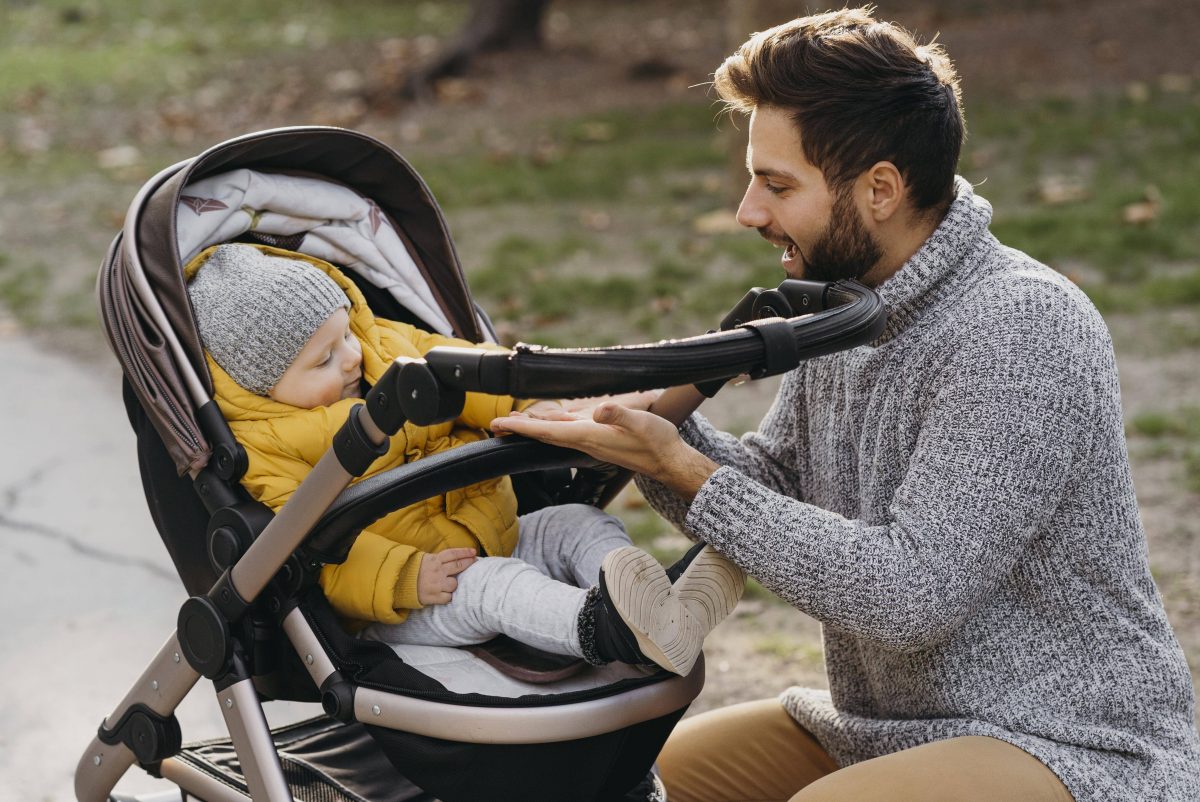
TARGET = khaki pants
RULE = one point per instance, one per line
(756, 752)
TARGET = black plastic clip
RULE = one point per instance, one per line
(152, 737)
(353, 448)
(781, 354)
(229, 460)
(232, 529)
(337, 697)
(204, 636)
(204, 627)
(426, 401)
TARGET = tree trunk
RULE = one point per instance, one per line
(493, 25)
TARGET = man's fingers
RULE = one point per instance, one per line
(530, 427)
(609, 413)
(556, 413)
(449, 584)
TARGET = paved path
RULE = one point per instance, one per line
(87, 590)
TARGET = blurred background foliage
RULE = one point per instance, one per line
(587, 180)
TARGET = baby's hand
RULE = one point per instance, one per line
(436, 581)
(636, 400)
(546, 410)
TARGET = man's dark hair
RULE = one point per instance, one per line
(860, 92)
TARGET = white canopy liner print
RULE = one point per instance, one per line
(336, 223)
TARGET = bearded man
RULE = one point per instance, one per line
(952, 502)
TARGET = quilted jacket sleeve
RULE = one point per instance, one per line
(377, 582)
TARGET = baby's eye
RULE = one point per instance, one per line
(325, 361)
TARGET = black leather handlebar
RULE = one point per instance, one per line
(534, 371)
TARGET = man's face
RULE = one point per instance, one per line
(822, 232)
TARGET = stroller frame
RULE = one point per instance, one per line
(322, 518)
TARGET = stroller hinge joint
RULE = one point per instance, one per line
(337, 697)
(204, 627)
(151, 736)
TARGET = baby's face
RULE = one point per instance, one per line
(326, 370)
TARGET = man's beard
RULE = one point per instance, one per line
(845, 249)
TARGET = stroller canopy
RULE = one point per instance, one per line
(143, 300)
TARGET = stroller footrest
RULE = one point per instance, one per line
(322, 759)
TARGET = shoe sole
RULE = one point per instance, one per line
(666, 632)
(710, 587)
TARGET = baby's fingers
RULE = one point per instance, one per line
(455, 561)
(439, 597)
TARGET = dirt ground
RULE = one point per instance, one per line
(648, 52)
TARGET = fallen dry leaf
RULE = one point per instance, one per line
(721, 221)
(1058, 190)
(1144, 211)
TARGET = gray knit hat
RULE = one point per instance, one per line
(256, 311)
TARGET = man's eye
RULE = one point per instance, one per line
(774, 189)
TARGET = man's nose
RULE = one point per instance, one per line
(751, 213)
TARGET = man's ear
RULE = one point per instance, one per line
(885, 190)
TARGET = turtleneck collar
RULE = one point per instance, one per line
(922, 279)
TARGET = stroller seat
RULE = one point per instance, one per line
(413, 723)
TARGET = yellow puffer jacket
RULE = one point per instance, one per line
(378, 581)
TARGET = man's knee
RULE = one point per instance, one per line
(970, 767)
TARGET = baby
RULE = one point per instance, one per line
(291, 347)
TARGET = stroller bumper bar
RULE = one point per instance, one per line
(844, 314)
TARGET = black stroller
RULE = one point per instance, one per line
(257, 624)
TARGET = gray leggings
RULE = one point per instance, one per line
(534, 596)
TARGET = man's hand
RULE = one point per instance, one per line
(541, 409)
(636, 400)
(634, 439)
(436, 580)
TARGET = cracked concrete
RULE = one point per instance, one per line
(88, 591)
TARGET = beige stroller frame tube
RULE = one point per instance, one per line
(168, 679)
(161, 688)
(252, 740)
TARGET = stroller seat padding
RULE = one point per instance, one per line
(462, 671)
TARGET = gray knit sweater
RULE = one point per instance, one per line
(954, 504)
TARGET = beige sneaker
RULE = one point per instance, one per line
(669, 622)
(710, 587)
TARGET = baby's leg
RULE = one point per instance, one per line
(496, 595)
(568, 542)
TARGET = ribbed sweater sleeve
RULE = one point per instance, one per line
(762, 454)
